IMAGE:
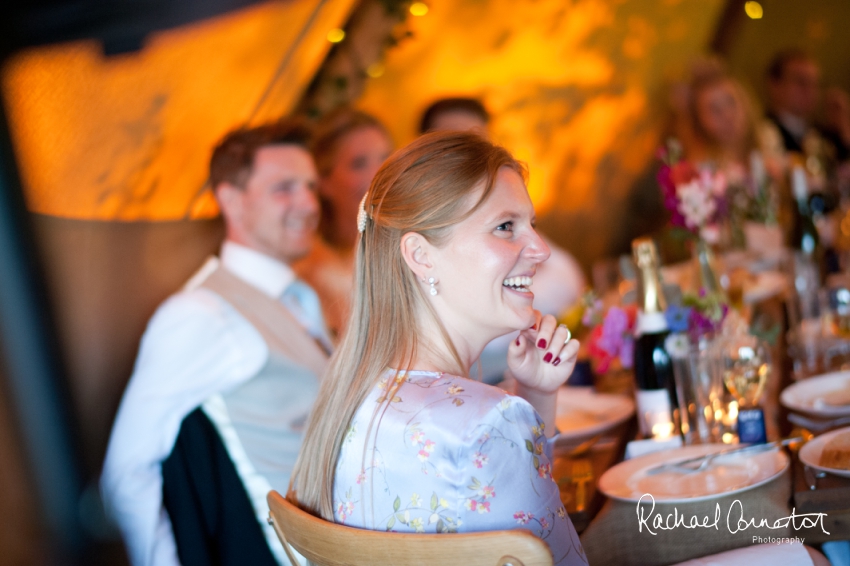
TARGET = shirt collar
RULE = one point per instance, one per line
(268, 274)
(794, 124)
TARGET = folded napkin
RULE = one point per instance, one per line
(616, 535)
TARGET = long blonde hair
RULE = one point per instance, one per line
(426, 188)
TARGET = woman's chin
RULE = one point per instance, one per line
(522, 321)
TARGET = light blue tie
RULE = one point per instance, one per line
(303, 302)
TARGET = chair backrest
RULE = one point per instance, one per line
(329, 544)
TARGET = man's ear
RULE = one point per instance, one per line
(416, 251)
(229, 199)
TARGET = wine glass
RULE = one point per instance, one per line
(745, 366)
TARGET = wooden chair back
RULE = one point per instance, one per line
(330, 544)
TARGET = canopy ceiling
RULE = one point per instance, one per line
(571, 84)
(128, 137)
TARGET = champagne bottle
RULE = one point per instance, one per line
(656, 390)
(805, 236)
(808, 255)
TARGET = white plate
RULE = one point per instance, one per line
(583, 413)
(807, 396)
(628, 481)
(811, 451)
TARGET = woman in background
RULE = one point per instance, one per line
(404, 440)
(721, 121)
(349, 146)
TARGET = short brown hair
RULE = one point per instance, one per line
(779, 63)
(449, 105)
(233, 158)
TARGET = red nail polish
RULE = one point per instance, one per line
(547, 357)
(541, 343)
(534, 326)
(517, 341)
(556, 362)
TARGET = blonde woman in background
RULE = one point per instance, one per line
(403, 440)
(349, 146)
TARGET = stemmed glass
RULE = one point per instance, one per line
(745, 367)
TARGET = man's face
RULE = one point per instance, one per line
(798, 90)
(277, 211)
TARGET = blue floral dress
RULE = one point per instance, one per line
(447, 455)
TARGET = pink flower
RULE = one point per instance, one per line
(483, 507)
(488, 491)
(361, 477)
(429, 445)
(423, 455)
(344, 510)
(544, 470)
(416, 437)
(479, 459)
(522, 517)
(544, 523)
(471, 504)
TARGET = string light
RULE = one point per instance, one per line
(375, 70)
(419, 8)
(754, 10)
(336, 35)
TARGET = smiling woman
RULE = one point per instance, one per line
(404, 441)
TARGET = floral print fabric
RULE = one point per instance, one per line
(436, 453)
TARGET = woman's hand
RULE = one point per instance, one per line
(539, 359)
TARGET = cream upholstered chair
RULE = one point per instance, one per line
(330, 544)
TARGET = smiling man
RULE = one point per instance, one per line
(227, 372)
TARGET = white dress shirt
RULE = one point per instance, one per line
(195, 346)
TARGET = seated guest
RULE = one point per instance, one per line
(559, 282)
(457, 114)
(793, 80)
(226, 375)
(722, 121)
(349, 146)
(836, 124)
(404, 440)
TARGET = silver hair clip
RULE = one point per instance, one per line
(361, 215)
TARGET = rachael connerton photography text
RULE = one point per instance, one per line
(736, 520)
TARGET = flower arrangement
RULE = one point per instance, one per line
(612, 336)
(695, 197)
(698, 316)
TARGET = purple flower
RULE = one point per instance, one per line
(614, 326)
(627, 352)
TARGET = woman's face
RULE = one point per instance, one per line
(486, 267)
(359, 155)
(721, 114)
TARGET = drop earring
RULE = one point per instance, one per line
(432, 282)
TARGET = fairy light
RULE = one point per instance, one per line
(336, 35)
(419, 8)
(754, 10)
(375, 70)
